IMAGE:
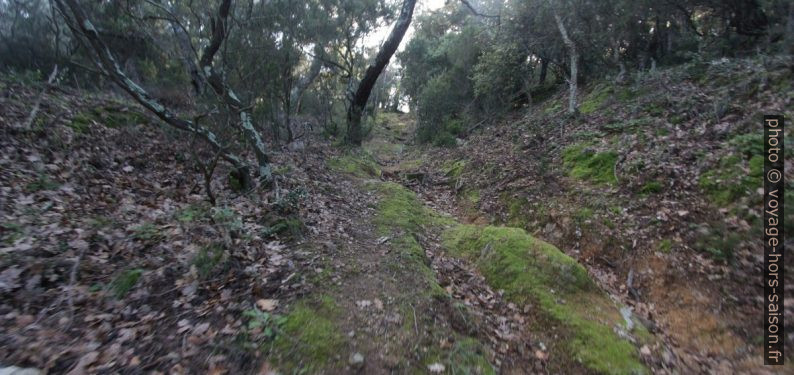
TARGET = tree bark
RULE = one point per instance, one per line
(80, 25)
(360, 98)
(572, 108)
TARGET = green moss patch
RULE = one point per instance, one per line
(401, 215)
(651, 187)
(467, 356)
(533, 271)
(359, 165)
(584, 163)
(639, 124)
(595, 99)
(308, 340)
(111, 117)
(732, 179)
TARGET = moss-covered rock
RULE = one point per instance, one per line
(532, 271)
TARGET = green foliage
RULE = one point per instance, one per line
(207, 259)
(109, 116)
(665, 245)
(499, 75)
(124, 282)
(651, 187)
(235, 183)
(192, 212)
(633, 123)
(440, 102)
(147, 232)
(227, 218)
(584, 163)
(444, 139)
(11, 232)
(289, 227)
(731, 180)
(41, 183)
(750, 144)
(543, 92)
(718, 240)
(468, 356)
(290, 202)
(583, 214)
(263, 325)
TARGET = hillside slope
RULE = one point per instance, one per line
(655, 187)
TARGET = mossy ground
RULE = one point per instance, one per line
(532, 271)
(593, 101)
(402, 216)
(308, 340)
(733, 178)
(583, 162)
(111, 117)
(359, 164)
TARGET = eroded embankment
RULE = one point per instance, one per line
(533, 274)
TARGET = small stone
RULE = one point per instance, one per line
(645, 350)
(436, 368)
(356, 359)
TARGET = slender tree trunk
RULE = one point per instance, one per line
(305, 82)
(544, 68)
(232, 101)
(360, 98)
(572, 108)
(621, 77)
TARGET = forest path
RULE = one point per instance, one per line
(469, 311)
(403, 306)
(508, 313)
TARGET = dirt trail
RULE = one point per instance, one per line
(396, 326)
(472, 308)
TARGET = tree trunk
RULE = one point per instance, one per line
(574, 68)
(218, 84)
(544, 68)
(360, 98)
(306, 81)
(80, 25)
